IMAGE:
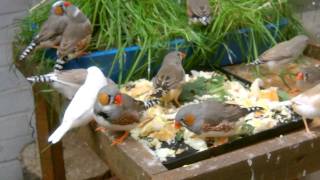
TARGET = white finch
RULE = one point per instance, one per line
(307, 104)
(80, 110)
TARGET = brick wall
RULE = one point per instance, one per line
(16, 101)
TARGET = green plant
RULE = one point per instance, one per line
(152, 24)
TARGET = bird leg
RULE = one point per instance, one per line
(120, 139)
(101, 129)
(176, 100)
(82, 53)
(220, 141)
(294, 91)
(306, 125)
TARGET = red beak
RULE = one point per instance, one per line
(299, 76)
(177, 124)
(182, 55)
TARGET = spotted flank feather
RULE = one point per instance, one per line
(254, 109)
(205, 20)
(29, 49)
(150, 103)
(47, 78)
(256, 62)
(161, 91)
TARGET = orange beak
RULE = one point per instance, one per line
(182, 55)
(177, 124)
(299, 76)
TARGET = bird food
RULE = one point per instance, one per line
(168, 143)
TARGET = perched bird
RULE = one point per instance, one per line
(211, 118)
(66, 82)
(76, 36)
(170, 78)
(50, 33)
(199, 11)
(80, 110)
(116, 111)
(307, 104)
(283, 53)
(308, 77)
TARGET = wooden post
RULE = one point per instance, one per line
(52, 164)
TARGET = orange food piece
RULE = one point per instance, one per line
(270, 94)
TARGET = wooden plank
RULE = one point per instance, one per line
(130, 160)
(52, 164)
(287, 157)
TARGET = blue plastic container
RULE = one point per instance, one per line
(104, 59)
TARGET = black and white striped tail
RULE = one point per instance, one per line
(40, 79)
(254, 109)
(28, 50)
(150, 103)
(59, 64)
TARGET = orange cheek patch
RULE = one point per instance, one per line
(58, 11)
(189, 119)
(103, 98)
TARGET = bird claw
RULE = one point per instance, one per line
(311, 134)
(120, 139)
(294, 91)
(101, 129)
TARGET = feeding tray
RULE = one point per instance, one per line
(191, 155)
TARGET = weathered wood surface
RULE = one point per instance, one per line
(286, 157)
(130, 160)
(52, 164)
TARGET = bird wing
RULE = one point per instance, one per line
(126, 117)
(74, 76)
(54, 26)
(277, 53)
(169, 77)
(74, 36)
(217, 113)
(79, 106)
(309, 97)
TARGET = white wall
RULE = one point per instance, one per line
(16, 100)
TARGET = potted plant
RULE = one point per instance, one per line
(131, 37)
